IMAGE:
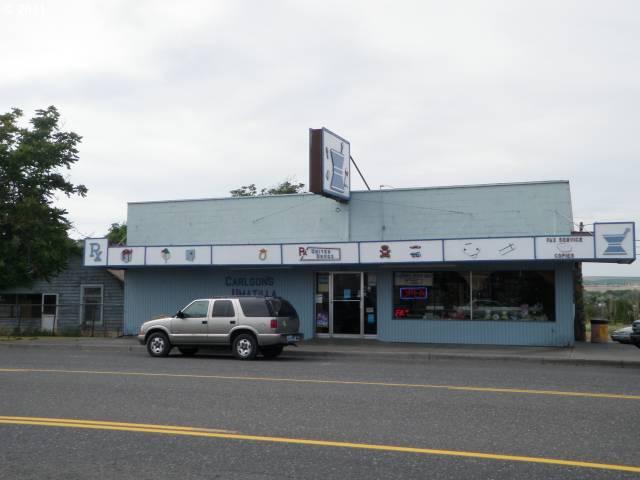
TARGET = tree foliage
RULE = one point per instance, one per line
(117, 234)
(287, 186)
(34, 243)
(617, 306)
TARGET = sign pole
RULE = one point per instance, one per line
(359, 172)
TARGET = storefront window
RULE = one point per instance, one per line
(431, 295)
(519, 296)
(480, 296)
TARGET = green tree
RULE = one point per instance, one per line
(289, 185)
(117, 234)
(34, 241)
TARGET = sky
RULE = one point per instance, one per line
(192, 99)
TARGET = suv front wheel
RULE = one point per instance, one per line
(158, 345)
(245, 347)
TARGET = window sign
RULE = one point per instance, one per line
(413, 293)
(413, 279)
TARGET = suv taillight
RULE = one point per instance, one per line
(274, 323)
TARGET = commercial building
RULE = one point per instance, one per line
(480, 264)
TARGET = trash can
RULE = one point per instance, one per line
(599, 330)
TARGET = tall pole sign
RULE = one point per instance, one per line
(329, 164)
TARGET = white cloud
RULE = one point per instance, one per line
(192, 99)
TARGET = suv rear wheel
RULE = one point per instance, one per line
(245, 347)
(158, 345)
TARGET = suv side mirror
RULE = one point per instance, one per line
(179, 314)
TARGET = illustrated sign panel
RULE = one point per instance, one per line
(615, 240)
(571, 247)
(500, 249)
(318, 253)
(180, 255)
(405, 252)
(126, 256)
(329, 164)
(247, 255)
(95, 252)
(610, 242)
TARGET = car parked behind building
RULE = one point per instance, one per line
(635, 333)
(248, 324)
(622, 335)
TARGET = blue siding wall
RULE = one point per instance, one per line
(153, 293)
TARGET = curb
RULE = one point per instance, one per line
(122, 348)
(427, 357)
(362, 355)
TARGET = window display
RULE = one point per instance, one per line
(519, 295)
(481, 296)
(437, 295)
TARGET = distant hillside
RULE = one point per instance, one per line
(611, 280)
(601, 284)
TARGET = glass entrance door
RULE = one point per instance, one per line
(346, 303)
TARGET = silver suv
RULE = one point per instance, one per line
(248, 324)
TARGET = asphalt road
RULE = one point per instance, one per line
(310, 418)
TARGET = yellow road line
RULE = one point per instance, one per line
(187, 431)
(559, 393)
(113, 424)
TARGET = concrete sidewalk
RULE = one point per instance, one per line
(609, 354)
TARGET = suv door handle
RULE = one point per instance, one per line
(204, 322)
(232, 322)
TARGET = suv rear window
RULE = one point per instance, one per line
(255, 307)
(282, 308)
(223, 308)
